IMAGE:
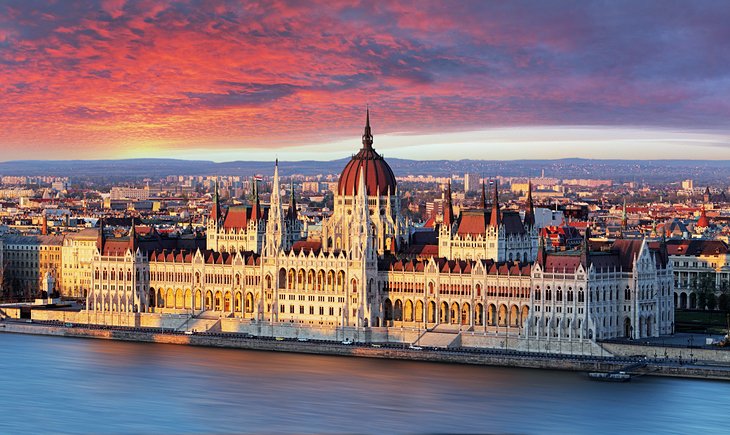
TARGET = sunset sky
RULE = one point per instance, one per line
(224, 80)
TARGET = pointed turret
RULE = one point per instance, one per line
(541, 252)
(367, 136)
(361, 242)
(495, 219)
(132, 245)
(291, 214)
(362, 199)
(530, 212)
(448, 209)
(275, 222)
(256, 213)
(624, 218)
(100, 238)
(585, 248)
(215, 214)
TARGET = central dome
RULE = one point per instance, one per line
(379, 178)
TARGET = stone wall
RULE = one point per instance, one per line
(550, 363)
(715, 355)
(534, 345)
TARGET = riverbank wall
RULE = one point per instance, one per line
(717, 356)
(333, 348)
(399, 335)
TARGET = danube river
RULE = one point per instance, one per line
(65, 385)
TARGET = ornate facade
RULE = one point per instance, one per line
(489, 233)
(490, 276)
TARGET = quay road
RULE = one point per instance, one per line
(660, 366)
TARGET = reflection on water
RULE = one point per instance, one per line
(62, 385)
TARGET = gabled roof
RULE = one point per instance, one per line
(473, 222)
(115, 247)
(237, 217)
(627, 250)
(697, 247)
(512, 223)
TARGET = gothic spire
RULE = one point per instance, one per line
(494, 219)
(541, 251)
(275, 238)
(585, 248)
(132, 236)
(530, 212)
(367, 137)
(448, 209)
(256, 211)
(292, 212)
(216, 212)
(100, 237)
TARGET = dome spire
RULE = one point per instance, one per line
(367, 136)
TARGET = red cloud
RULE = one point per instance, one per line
(102, 77)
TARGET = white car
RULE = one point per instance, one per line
(347, 341)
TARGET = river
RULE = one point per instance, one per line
(71, 386)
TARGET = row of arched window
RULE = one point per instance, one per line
(114, 274)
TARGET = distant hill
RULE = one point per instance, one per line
(702, 171)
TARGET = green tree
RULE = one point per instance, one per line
(711, 301)
(703, 285)
(723, 302)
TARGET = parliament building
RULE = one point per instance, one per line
(488, 274)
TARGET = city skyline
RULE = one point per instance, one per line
(222, 82)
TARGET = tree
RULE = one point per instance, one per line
(703, 285)
(723, 302)
(711, 301)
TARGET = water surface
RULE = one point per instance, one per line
(72, 386)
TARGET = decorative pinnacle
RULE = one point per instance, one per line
(367, 137)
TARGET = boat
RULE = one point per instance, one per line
(610, 377)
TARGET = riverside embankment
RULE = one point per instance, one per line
(486, 357)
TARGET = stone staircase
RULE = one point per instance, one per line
(441, 336)
(200, 324)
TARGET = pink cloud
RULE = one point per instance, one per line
(103, 77)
